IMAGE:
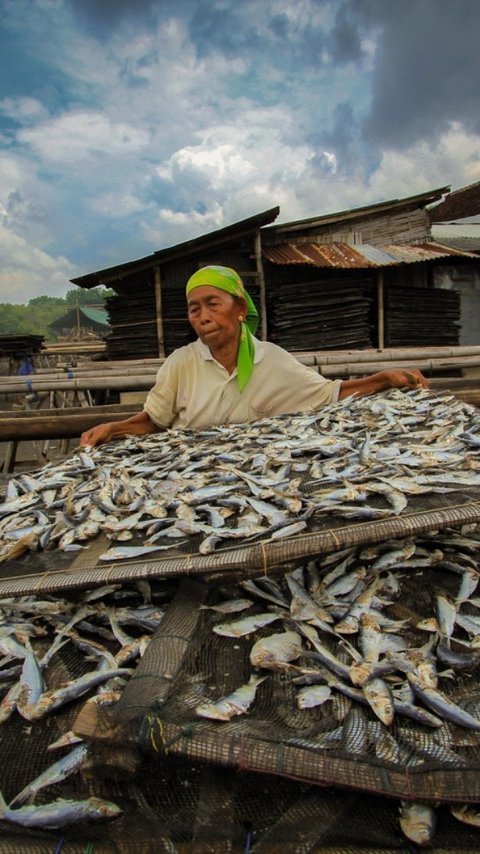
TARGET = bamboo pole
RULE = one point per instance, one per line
(313, 356)
(134, 383)
(54, 376)
(393, 354)
(72, 347)
(145, 380)
(426, 366)
(363, 362)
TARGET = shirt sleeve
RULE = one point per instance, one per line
(303, 387)
(160, 404)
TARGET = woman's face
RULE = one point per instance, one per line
(214, 315)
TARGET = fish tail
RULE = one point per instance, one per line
(3, 805)
(24, 795)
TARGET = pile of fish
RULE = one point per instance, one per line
(386, 640)
(361, 458)
(111, 626)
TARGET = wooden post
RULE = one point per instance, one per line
(261, 283)
(380, 311)
(10, 457)
(158, 309)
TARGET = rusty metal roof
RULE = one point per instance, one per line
(362, 255)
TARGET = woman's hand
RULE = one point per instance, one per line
(138, 425)
(391, 378)
(405, 378)
(97, 435)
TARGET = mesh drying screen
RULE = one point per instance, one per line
(248, 497)
(341, 742)
(198, 783)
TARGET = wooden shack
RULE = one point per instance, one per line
(148, 315)
(356, 279)
(455, 222)
(365, 276)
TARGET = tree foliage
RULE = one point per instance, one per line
(34, 318)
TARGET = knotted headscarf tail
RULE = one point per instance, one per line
(226, 279)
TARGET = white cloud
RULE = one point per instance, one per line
(117, 204)
(22, 109)
(135, 132)
(75, 136)
(169, 227)
(27, 271)
(453, 159)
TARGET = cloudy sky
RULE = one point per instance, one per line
(127, 126)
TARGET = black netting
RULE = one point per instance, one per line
(279, 775)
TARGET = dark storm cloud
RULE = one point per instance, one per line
(426, 67)
(286, 42)
(343, 137)
(100, 17)
(345, 42)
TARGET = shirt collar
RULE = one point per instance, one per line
(207, 356)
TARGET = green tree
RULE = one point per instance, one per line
(45, 300)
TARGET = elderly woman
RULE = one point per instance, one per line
(227, 376)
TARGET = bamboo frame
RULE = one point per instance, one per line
(251, 560)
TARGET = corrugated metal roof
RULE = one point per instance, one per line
(467, 244)
(464, 236)
(362, 255)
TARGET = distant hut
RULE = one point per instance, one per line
(82, 323)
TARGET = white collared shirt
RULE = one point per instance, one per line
(193, 390)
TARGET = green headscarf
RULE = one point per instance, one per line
(228, 280)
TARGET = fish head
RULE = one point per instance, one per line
(360, 672)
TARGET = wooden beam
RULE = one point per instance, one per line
(56, 426)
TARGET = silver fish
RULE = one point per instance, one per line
(236, 703)
(59, 813)
(466, 813)
(418, 822)
(56, 697)
(55, 774)
(276, 651)
(32, 684)
(313, 695)
(66, 740)
(380, 699)
(132, 552)
(230, 606)
(440, 704)
(240, 628)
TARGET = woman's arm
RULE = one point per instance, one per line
(383, 380)
(138, 425)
